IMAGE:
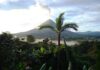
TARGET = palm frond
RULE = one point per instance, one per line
(70, 25)
(59, 21)
(61, 14)
(47, 26)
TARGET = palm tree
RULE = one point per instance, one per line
(60, 26)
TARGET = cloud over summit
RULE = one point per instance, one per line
(86, 13)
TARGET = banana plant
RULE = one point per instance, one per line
(84, 67)
(43, 67)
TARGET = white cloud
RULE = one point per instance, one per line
(3, 1)
(6, 1)
(13, 0)
(18, 20)
(86, 21)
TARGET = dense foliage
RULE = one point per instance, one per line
(18, 55)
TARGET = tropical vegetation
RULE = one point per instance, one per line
(19, 55)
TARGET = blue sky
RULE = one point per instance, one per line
(23, 15)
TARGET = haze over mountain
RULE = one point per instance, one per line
(47, 33)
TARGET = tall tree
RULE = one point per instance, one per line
(60, 26)
(30, 38)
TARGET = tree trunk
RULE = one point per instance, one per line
(58, 60)
(59, 39)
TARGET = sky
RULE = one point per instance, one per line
(23, 15)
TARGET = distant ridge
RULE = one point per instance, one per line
(90, 33)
